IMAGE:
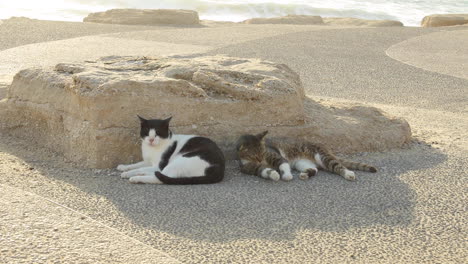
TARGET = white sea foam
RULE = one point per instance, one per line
(410, 12)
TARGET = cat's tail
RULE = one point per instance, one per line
(357, 166)
(214, 174)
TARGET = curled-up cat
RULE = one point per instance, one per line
(174, 159)
(265, 158)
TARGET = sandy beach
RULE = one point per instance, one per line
(412, 211)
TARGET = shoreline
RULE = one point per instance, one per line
(202, 22)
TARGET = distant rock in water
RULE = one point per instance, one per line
(350, 21)
(442, 20)
(19, 19)
(289, 19)
(87, 111)
(317, 20)
(145, 17)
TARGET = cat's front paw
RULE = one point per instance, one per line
(308, 174)
(145, 179)
(304, 176)
(135, 179)
(287, 177)
(122, 167)
(274, 175)
(349, 175)
(125, 175)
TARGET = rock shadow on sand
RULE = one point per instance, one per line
(240, 207)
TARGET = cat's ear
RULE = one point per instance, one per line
(142, 120)
(165, 123)
(167, 120)
(262, 135)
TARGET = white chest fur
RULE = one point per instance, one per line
(153, 154)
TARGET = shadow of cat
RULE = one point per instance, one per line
(242, 206)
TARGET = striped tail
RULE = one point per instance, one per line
(357, 166)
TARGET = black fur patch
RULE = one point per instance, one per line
(166, 156)
(160, 126)
(208, 179)
(204, 148)
(208, 151)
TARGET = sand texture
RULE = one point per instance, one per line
(413, 210)
(37, 230)
(449, 58)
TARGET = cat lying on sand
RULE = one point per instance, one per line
(265, 158)
(174, 159)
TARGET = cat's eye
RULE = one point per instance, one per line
(158, 133)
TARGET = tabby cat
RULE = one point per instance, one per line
(265, 158)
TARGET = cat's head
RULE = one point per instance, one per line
(154, 131)
(252, 147)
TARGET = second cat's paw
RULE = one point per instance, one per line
(304, 176)
(349, 175)
(122, 167)
(274, 175)
(308, 174)
(287, 177)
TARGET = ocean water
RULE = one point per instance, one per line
(410, 12)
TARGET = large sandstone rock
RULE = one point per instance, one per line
(350, 21)
(289, 19)
(442, 20)
(88, 111)
(145, 17)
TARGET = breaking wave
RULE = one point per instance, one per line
(410, 12)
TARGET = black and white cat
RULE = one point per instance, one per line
(174, 159)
